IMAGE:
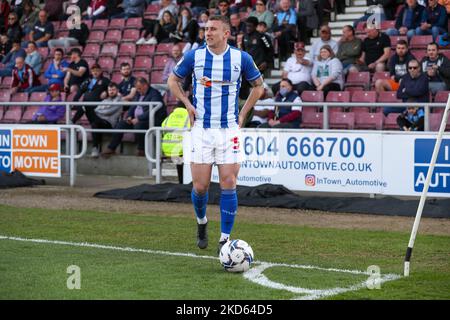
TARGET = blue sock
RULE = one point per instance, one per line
(200, 202)
(228, 210)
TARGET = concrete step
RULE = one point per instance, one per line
(359, 3)
(356, 9)
(339, 24)
(348, 16)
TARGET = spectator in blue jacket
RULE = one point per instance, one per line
(10, 59)
(435, 22)
(412, 119)
(138, 117)
(285, 28)
(408, 20)
(55, 72)
(34, 58)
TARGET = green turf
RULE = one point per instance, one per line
(38, 271)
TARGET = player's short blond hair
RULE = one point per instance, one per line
(225, 20)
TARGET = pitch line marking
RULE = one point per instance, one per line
(254, 274)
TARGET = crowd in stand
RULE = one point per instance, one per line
(269, 30)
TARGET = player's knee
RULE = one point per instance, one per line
(200, 188)
(228, 182)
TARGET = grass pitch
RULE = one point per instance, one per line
(30, 270)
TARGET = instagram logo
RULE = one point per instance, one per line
(310, 180)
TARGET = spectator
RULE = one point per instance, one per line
(4, 14)
(412, 119)
(376, 49)
(325, 39)
(76, 73)
(262, 28)
(9, 61)
(285, 117)
(199, 41)
(50, 114)
(397, 68)
(298, 70)
(384, 9)
(410, 17)
(435, 22)
(29, 18)
(138, 117)
(5, 46)
(42, 31)
(258, 45)
(349, 50)
(104, 117)
(203, 19)
(55, 72)
(14, 31)
(131, 9)
(54, 8)
(71, 4)
(446, 4)
(151, 27)
(223, 8)
(33, 58)
(126, 87)
(76, 37)
(187, 28)
(167, 25)
(285, 28)
(93, 89)
(262, 13)
(327, 72)
(237, 29)
(199, 6)
(307, 20)
(96, 10)
(414, 84)
(174, 59)
(260, 113)
(437, 67)
(24, 77)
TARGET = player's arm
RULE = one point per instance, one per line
(176, 88)
(256, 92)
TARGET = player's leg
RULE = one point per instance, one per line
(201, 177)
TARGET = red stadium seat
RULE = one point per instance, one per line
(90, 61)
(91, 50)
(390, 122)
(28, 113)
(100, 24)
(435, 122)
(14, 113)
(2, 111)
(360, 27)
(145, 49)
(43, 79)
(121, 60)
(342, 120)
(337, 96)
(116, 24)
(6, 83)
(127, 49)
(142, 63)
(164, 48)
(156, 77)
(107, 63)
(311, 96)
(386, 24)
(116, 77)
(358, 79)
(133, 23)
(131, 35)
(363, 96)
(153, 8)
(384, 75)
(5, 95)
(365, 120)
(441, 96)
(109, 49)
(312, 120)
(88, 23)
(142, 74)
(114, 36)
(446, 53)
(419, 54)
(420, 42)
(96, 37)
(394, 40)
(388, 96)
(159, 62)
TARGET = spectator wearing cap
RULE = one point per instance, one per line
(436, 21)
(33, 58)
(262, 14)
(376, 49)
(9, 60)
(258, 45)
(94, 89)
(325, 39)
(298, 70)
(349, 50)
(76, 73)
(410, 17)
(54, 113)
(285, 28)
(24, 77)
(327, 72)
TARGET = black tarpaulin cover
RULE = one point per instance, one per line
(17, 179)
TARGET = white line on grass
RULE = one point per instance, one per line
(254, 274)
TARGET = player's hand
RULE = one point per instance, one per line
(241, 121)
(192, 113)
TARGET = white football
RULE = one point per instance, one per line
(236, 256)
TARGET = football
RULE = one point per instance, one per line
(236, 256)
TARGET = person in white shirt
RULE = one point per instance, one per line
(260, 113)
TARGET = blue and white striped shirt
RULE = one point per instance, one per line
(216, 80)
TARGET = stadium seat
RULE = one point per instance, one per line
(153, 8)
(390, 122)
(142, 74)
(441, 96)
(311, 96)
(384, 75)
(131, 35)
(133, 23)
(446, 53)
(114, 36)
(2, 111)
(88, 24)
(420, 42)
(337, 96)
(164, 48)
(386, 24)
(142, 63)
(388, 96)
(5, 95)
(116, 24)
(365, 120)
(6, 83)
(14, 113)
(419, 54)
(360, 27)
(90, 61)
(363, 96)
(109, 49)
(159, 62)
(313, 120)
(107, 63)
(127, 49)
(435, 122)
(43, 79)
(342, 120)
(96, 37)
(116, 77)
(353, 89)
(395, 39)
(156, 77)
(28, 113)
(91, 50)
(358, 79)
(100, 24)
(145, 49)
(122, 59)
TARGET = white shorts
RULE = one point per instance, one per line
(219, 146)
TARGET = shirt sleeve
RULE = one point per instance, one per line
(249, 68)
(185, 66)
